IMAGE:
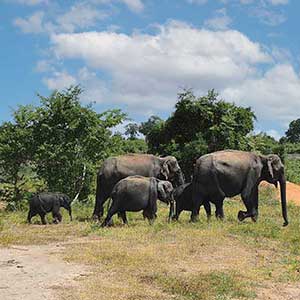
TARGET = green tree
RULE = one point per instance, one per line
(293, 133)
(70, 138)
(132, 130)
(197, 126)
(16, 150)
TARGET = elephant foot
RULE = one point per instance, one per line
(194, 219)
(254, 218)
(241, 215)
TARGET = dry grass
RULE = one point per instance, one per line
(211, 261)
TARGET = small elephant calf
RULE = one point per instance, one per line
(44, 203)
(136, 193)
(183, 196)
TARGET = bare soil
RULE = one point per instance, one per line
(292, 192)
(36, 272)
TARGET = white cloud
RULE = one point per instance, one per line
(134, 5)
(274, 95)
(32, 24)
(30, 2)
(274, 133)
(197, 1)
(148, 70)
(268, 16)
(79, 16)
(278, 2)
(220, 21)
(60, 80)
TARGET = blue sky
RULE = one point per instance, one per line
(137, 54)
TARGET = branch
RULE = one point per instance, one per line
(81, 184)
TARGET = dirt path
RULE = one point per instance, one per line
(34, 272)
(292, 192)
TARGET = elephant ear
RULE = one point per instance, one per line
(165, 169)
(152, 205)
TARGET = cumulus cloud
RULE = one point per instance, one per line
(148, 70)
(60, 80)
(278, 2)
(268, 16)
(197, 1)
(79, 16)
(134, 5)
(220, 21)
(30, 2)
(31, 24)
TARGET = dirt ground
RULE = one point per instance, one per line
(35, 272)
(292, 192)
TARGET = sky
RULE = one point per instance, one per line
(138, 54)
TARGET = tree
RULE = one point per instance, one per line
(132, 130)
(16, 150)
(197, 126)
(293, 133)
(70, 138)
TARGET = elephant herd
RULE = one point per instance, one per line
(134, 182)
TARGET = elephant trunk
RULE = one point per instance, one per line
(282, 182)
(179, 179)
(171, 212)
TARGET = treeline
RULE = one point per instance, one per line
(59, 144)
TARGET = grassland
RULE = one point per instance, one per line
(182, 261)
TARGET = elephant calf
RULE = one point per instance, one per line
(183, 196)
(44, 203)
(136, 193)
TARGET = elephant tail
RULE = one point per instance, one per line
(152, 206)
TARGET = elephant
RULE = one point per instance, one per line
(116, 168)
(228, 173)
(136, 193)
(44, 203)
(183, 197)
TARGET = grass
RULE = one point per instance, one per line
(181, 261)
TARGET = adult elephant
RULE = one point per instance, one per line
(116, 168)
(229, 173)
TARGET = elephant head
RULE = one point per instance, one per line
(171, 170)
(165, 194)
(273, 172)
(65, 202)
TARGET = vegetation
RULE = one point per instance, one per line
(211, 261)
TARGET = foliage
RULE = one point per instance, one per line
(293, 133)
(197, 126)
(292, 170)
(54, 141)
(132, 130)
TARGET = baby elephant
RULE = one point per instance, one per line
(44, 203)
(135, 193)
(183, 196)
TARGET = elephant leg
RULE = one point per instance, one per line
(99, 209)
(207, 209)
(56, 214)
(43, 219)
(251, 203)
(112, 210)
(124, 217)
(219, 209)
(30, 215)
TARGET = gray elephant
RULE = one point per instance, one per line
(44, 203)
(117, 168)
(183, 197)
(136, 193)
(229, 173)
